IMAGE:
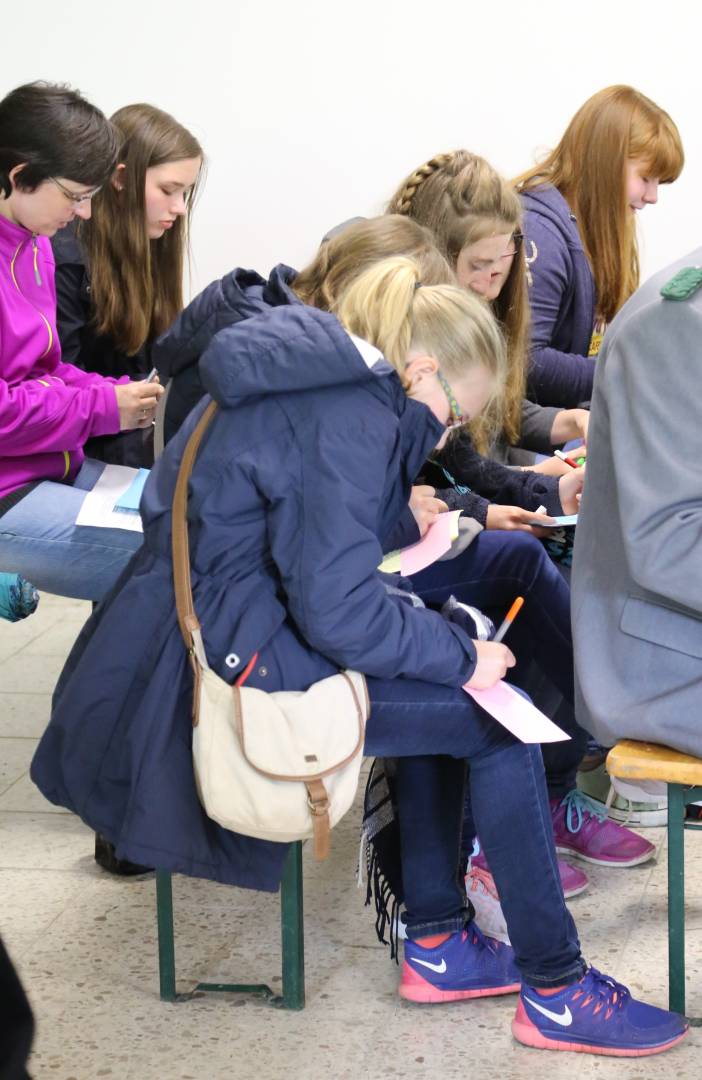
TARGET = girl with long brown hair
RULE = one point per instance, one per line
(476, 218)
(581, 248)
(119, 276)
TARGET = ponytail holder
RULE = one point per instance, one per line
(417, 285)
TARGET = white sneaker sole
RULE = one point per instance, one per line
(639, 819)
(605, 862)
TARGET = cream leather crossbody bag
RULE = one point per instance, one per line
(281, 766)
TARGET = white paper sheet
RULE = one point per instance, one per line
(98, 505)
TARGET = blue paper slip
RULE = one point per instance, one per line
(559, 522)
(129, 501)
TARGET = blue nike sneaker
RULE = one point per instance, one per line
(595, 1016)
(466, 965)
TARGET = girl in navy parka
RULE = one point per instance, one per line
(580, 225)
(294, 482)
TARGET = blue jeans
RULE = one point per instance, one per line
(494, 569)
(433, 731)
(40, 540)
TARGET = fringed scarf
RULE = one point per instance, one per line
(380, 837)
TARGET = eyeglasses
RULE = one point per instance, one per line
(77, 200)
(481, 266)
(457, 418)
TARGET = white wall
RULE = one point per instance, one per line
(313, 111)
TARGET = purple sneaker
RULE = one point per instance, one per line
(466, 965)
(595, 1015)
(573, 881)
(581, 828)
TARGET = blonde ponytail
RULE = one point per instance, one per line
(377, 306)
(390, 307)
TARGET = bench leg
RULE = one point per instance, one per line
(166, 944)
(676, 898)
(292, 940)
(292, 932)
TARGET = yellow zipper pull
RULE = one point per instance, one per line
(37, 275)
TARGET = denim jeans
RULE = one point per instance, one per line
(434, 730)
(489, 574)
(40, 540)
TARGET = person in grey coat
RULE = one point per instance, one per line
(637, 568)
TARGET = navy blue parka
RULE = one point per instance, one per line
(305, 467)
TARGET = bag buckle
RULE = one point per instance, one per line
(320, 806)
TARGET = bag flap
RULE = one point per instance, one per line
(302, 734)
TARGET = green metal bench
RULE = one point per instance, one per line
(292, 940)
(683, 774)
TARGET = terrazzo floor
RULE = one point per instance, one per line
(85, 946)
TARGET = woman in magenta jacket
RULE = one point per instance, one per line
(56, 151)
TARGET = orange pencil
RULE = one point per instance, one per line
(509, 618)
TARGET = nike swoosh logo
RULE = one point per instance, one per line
(565, 1019)
(438, 968)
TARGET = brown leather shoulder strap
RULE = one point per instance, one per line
(187, 619)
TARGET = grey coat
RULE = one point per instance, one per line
(637, 567)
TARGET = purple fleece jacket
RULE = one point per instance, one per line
(562, 298)
(48, 409)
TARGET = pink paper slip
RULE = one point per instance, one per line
(513, 711)
(435, 543)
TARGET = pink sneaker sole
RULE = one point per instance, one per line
(414, 988)
(529, 1035)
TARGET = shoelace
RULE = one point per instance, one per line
(484, 880)
(477, 937)
(603, 992)
(577, 806)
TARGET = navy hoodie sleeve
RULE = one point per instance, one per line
(498, 483)
(329, 569)
(404, 533)
(555, 378)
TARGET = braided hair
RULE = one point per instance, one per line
(462, 199)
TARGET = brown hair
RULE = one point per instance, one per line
(136, 283)
(588, 167)
(52, 131)
(462, 199)
(358, 246)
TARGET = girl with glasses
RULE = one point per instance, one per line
(119, 273)
(476, 217)
(305, 466)
(56, 152)
(580, 208)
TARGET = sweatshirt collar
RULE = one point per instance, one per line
(11, 235)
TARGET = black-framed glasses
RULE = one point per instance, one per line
(517, 240)
(482, 266)
(73, 196)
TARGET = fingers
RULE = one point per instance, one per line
(535, 518)
(147, 398)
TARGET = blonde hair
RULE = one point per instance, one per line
(391, 307)
(462, 199)
(588, 167)
(358, 246)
